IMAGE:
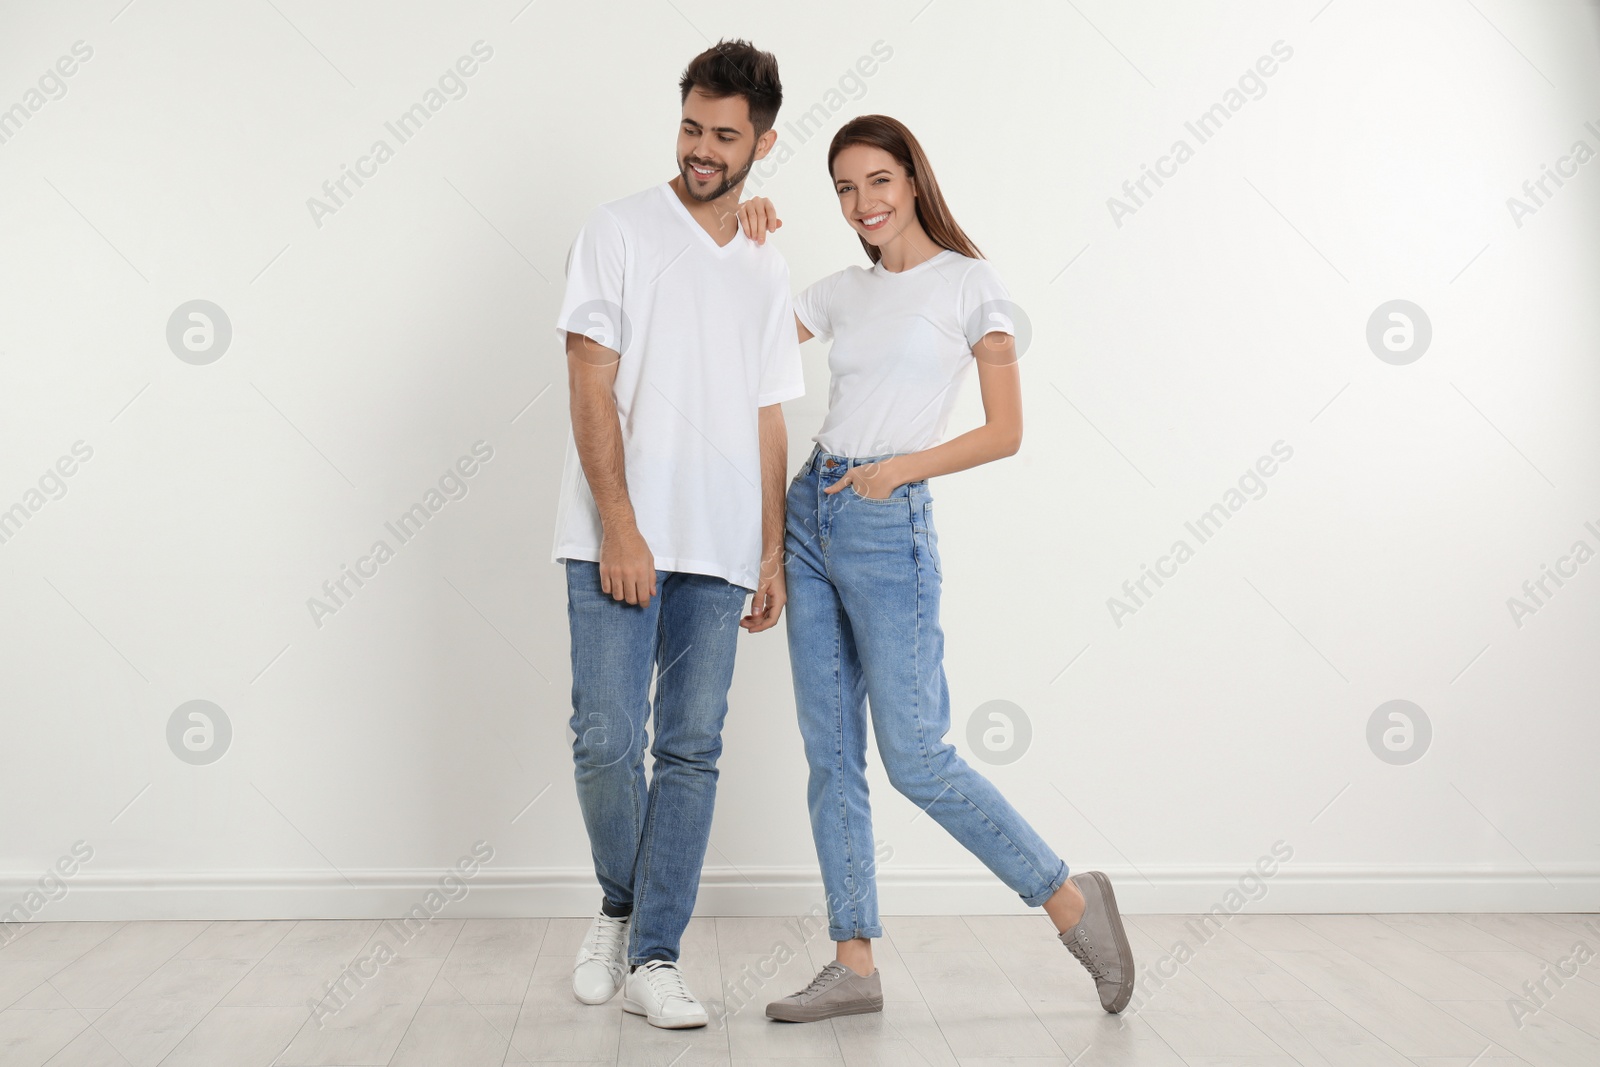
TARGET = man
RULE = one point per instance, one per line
(680, 347)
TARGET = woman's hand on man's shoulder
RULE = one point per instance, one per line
(757, 217)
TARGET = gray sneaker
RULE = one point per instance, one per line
(836, 990)
(1100, 943)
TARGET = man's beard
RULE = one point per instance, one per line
(727, 182)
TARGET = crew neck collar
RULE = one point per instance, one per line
(879, 268)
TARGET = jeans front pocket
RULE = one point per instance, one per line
(897, 497)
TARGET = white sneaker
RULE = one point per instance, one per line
(657, 991)
(601, 964)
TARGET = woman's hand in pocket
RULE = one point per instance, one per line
(875, 481)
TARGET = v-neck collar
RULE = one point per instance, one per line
(683, 213)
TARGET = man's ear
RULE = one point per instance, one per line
(765, 142)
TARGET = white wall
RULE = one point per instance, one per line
(370, 352)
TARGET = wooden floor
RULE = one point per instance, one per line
(975, 991)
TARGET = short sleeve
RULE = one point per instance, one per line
(983, 304)
(811, 306)
(782, 372)
(593, 301)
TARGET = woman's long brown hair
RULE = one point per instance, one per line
(891, 135)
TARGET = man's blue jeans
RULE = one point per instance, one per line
(863, 580)
(649, 843)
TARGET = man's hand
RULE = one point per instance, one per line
(757, 216)
(627, 567)
(770, 596)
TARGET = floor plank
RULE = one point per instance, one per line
(1393, 990)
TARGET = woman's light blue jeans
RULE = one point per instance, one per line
(863, 622)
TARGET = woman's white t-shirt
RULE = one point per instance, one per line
(902, 346)
(706, 335)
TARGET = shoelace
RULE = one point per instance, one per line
(666, 981)
(1083, 949)
(824, 978)
(603, 939)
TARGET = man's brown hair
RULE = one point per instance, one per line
(737, 68)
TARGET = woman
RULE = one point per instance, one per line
(862, 561)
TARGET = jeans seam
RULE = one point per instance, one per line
(852, 894)
(641, 876)
(844, 807)
(634, 766)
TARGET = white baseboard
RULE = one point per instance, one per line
(356, 894)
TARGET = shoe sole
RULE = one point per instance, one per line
(1125, 989)
(802, 1015)
(635, 1008)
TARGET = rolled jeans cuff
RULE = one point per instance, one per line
(1060, 879)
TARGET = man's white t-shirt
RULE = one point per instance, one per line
(902, 346)
(706, 335)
